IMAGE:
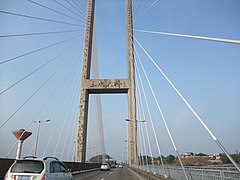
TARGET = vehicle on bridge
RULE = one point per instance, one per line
(30, 168)
(105, 167)
(113, 165)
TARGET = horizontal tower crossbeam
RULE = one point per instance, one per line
(106, 86)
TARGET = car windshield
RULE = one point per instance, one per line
(27, 166)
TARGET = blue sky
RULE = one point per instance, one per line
(206, 73)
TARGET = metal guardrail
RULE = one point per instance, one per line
(149, 176)
(195, 173)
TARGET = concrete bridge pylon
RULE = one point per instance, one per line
(99, 86)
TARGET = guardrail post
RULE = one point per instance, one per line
(222, 174)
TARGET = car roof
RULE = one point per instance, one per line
(46, 159)
(49, 159)
(30, 158)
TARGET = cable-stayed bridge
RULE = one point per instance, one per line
(178, 93)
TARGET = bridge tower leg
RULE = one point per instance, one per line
(132, 125)
(84, 94)
(97, 86)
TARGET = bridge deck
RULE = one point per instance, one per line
(114, 174)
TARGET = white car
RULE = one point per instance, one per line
(38, 169)
(105, 167)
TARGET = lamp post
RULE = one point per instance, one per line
(74, 151)
(134, 142)
(36, 143)
(90, 152)
(125, 155)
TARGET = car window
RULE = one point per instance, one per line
(54, 167)
(57, 167)
(27, 166)
(63, 168)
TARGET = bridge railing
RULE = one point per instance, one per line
(195, 173)
(148, 175)
(81, 167)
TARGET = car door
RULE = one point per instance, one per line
(56, 171)
(66, 174)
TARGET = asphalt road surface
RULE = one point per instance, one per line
(114, 174)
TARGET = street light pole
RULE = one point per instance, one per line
(36, 143)
(74, 157)
(35, 153)
(90, 152)
(135, 121)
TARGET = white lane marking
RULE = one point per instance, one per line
(106, 175)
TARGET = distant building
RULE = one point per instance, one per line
(187, 155)
(214, 156)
